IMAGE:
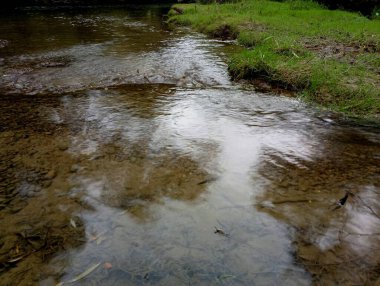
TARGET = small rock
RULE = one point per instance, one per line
(63, 146)
(36, 243)
(3, 43)
(47, 184)
(51, 175)
(16, 208)
(74, 168)
(97, 157)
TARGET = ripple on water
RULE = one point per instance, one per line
(148, 160)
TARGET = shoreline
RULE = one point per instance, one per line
(329, 58)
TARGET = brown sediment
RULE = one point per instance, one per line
(35, 217)
(133, 179)
(43, 182)
(333, 243)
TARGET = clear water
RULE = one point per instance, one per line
(126, 150)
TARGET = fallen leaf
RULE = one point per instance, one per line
(94, 237)
(81, 276)
(100, 240)
(107, 265)
(226, 276)
(72, 222)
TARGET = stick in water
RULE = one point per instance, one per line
(81, 276)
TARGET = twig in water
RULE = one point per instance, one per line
(220, 231)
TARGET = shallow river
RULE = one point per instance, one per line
(128, 157)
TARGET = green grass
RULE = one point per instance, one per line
(329, 57)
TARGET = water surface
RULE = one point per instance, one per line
(126, 149)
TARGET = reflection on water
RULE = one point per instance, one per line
(99, 49)
(330, 241)
(128, 156)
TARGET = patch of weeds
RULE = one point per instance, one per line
(251, 39)
(370, 61)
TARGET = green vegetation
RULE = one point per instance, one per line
(328, 57)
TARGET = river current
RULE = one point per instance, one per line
(129, 157)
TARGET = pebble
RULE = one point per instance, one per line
(63, 146)
(16, 209)
(74, 168)
(47, 184)
(51, 175)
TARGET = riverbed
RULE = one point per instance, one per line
(129, 157)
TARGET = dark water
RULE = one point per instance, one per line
(128, 156)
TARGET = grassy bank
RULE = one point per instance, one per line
(329, 57)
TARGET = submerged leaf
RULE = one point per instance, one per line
(226, 276)
(107, 265)
(13, 260)
(73, 224)
(95, 237)
(81, 276)
(100, 240)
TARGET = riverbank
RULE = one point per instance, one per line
(331, 58)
